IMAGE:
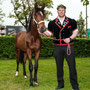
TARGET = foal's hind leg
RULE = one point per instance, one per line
(37, 53)
(24, 65)
(17, 55)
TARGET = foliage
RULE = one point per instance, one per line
(82, 47)
(7, 48)
(23, 8)
(47, 47)
(85, 2)
(81, 25)
(2, 15)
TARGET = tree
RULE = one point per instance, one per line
(23, 8)
(2, 15)
(81, 25)
(85, 2)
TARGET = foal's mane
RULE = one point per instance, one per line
(30, 20)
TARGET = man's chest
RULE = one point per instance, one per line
(58, 28)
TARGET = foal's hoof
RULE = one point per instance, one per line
(36, 84)
(31, 85)
(16, 73)
(25, 77)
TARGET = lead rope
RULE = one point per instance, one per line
(68, 49)
(68, 46)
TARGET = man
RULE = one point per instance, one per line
(64, 30)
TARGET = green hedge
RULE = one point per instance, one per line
(7, 49)
(82, 47)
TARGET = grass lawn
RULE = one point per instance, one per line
(46, 75)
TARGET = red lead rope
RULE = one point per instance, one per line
(68, 46)
(68, 49)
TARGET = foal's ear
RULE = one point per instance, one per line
(35, 6)
(43, 6)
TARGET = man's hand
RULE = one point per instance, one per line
(67, 40)
(75, 33)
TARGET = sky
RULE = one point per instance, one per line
(74, 7)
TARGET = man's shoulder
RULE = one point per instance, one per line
(51, 22)
(70, 19)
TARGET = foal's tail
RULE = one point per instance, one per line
(21, 56)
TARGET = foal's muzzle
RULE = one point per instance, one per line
(42, 29)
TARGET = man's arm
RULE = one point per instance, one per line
(75, 33)
(47, 33)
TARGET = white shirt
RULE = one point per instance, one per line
(61, 20)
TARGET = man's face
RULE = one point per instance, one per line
(61, 12)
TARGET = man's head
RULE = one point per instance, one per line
(61, 10)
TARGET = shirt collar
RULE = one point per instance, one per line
(60, 19)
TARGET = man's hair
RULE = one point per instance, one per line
(61, 6)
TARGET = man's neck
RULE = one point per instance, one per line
(61, 18)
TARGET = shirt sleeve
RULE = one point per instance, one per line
(74, 25)
(50, 27)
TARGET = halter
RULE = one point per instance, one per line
(38, 22)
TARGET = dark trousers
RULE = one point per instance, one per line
(60, 52)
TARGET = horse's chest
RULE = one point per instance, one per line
(35, 44)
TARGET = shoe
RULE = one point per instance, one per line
(58, 87)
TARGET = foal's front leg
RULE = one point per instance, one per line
(35, 72)
(29, 53)
(37, 53)
(31, 70)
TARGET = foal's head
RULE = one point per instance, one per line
(38, 17)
